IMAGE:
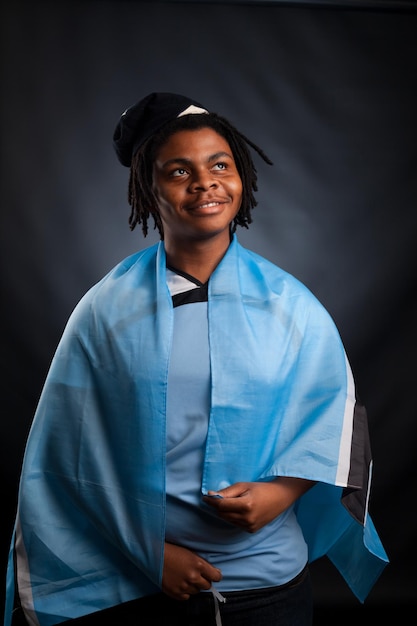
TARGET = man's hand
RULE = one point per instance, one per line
(185, 573)
(253, 505)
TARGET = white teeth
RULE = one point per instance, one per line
(209, 204)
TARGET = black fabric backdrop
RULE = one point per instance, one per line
(330, 93)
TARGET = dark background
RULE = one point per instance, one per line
(329, 90)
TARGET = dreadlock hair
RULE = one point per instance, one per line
(141, 197)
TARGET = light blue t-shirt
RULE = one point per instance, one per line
(277, 552)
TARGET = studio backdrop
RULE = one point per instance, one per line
(328, 90)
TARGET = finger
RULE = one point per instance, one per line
(183, 597)
(211, 574)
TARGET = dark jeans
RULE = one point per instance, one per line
(285, 605)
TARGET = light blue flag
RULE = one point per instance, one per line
(90, 524)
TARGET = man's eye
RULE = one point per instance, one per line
(220, 166)
(180, 171)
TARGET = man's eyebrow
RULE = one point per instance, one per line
(176, 161)
(218, 155)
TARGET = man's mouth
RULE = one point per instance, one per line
(207, 205)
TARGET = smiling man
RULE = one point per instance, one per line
(199, 439)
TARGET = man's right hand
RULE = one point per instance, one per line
(186, 573)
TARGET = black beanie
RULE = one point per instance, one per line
(143, 119)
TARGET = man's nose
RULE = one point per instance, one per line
(202, 181)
